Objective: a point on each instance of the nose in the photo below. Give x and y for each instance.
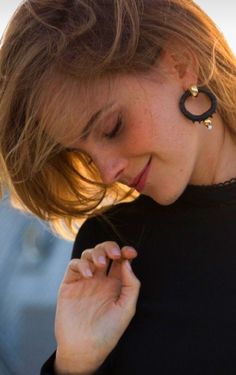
(111, 168)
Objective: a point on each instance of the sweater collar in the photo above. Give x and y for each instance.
(221, 193)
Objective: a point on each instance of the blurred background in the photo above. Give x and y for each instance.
(32, 264)
(33, 260)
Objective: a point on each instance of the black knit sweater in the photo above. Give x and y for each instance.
(185, 321)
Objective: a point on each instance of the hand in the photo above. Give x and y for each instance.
(94, 308)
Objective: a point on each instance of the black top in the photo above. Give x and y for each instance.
(185, 321)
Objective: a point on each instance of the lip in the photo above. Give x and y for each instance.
(139, 182)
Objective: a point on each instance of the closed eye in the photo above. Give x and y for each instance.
(115, 130)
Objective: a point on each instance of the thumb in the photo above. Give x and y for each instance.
(130, 286)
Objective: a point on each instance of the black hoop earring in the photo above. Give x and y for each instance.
(205, 117)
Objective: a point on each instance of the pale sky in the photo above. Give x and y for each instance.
(222, 12)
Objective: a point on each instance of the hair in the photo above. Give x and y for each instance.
(77, 42)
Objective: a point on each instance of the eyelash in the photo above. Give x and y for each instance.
(115, 130)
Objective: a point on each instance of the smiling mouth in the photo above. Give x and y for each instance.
(139, 181)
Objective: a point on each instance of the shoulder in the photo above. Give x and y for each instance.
(119, 223)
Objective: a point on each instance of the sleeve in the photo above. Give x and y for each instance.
(92, 232)
(104, 369)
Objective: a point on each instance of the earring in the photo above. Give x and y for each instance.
(205, 117)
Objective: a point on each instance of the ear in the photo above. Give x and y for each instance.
(180, 63)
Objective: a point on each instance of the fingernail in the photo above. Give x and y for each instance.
(115, 251)
(88, 273)
(102, 259)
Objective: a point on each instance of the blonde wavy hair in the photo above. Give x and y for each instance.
(78, 42)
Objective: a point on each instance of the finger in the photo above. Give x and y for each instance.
(127, 252)
(110, 249)
(98, 258)
(130, 288)
(76, 270)
(101, 255)
(100, 262)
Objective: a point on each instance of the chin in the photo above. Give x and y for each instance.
(167, 198)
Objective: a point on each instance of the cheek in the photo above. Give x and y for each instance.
(140, 138)
(140, 131)
(171, 133)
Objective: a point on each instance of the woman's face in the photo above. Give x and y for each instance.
(144, 132)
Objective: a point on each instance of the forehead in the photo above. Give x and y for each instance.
(66, 105)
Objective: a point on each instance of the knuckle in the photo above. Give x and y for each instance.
(76, 263)
(107, 245)
(108, 249)
(92, 254)
(73, 263)
(86, 253)
(112, 244)
(99, 245)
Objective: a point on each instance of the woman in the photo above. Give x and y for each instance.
(99, 95)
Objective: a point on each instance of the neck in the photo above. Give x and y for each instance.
(217, 155)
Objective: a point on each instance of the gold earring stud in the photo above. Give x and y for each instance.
(194, 90)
